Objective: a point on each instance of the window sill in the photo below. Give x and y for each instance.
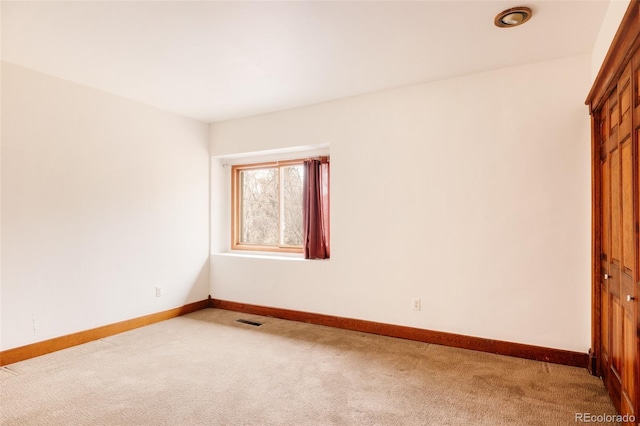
(263, 255)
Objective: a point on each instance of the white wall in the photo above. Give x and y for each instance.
(472, 194)
(608, 29)
(103, 199)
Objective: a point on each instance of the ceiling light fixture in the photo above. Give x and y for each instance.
(513, 17)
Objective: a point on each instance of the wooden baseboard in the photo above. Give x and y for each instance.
(538, 353)
(47, 346)
(557, 356)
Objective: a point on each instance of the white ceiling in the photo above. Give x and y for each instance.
(215, 60)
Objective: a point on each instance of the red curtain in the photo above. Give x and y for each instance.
(316, 209)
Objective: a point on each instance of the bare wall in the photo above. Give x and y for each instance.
(472, 194)
(103, 199)
(608, 29)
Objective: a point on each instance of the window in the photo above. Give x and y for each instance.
(267, 206)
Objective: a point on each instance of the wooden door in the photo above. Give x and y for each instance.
(618, 151)
(614, 102)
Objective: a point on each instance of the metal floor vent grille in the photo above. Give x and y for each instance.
(253, 323)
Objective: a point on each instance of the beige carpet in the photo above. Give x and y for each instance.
(206, 369)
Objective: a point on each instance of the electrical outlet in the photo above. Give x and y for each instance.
(416, 304)
(158, 291)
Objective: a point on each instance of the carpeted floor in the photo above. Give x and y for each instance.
(206, 369)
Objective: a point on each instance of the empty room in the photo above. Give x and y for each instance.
(319, 212)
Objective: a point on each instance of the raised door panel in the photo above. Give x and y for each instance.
(605, 254)
(625, 98)
(616, 208)
(628, 223)
(613, 119)
(614, 379)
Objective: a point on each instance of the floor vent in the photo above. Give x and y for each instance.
(253, 323)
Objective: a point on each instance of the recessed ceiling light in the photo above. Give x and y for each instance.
(513, 17)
